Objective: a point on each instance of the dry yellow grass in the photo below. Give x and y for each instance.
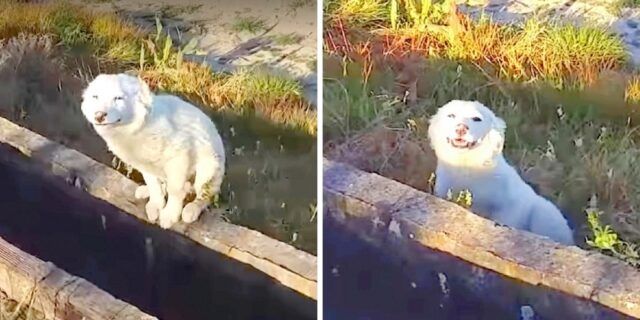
(563, 55)
(632, 91)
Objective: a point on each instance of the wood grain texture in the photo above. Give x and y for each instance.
(55, 293)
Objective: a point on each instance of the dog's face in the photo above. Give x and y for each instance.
(466, 132)
(115, 100)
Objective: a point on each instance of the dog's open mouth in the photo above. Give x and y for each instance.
(461, 143)
(107, 124)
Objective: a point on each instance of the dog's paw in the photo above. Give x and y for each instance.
(191, 212)
(153, 211)
(142, 192)
(168, 217)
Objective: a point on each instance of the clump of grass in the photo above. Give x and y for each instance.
(287, 39)
(632, 90)
(73, 26)
(418, 16)
(251, 25)
(462, 198)
(271, 97)
(606, 240)
(350, 108)
(176, 10)
(357, 12)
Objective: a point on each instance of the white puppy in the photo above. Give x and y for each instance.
(165, 138)
(468, 140)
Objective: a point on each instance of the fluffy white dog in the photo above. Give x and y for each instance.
(165, 138)
(468, 140)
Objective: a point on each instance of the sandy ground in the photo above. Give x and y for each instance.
(279, 36)
(622, 21)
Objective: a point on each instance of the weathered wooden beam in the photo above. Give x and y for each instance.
(384, 211)
(293, 268)
(55, 293)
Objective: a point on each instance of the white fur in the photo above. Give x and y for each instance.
(498, 192)
(165, 138)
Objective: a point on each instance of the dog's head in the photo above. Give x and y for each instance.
(466, 133)
(115, 101)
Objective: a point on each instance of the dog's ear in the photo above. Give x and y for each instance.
(496, 135)
(499, 124)
(144, 93)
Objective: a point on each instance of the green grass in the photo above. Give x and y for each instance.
(287, 39)
(251, 25)
(176, 10)
(608, 241)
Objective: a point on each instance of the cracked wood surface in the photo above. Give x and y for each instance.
(387, 211)
(55, 293)
(293, 268)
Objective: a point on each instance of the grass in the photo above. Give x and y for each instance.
(19, 310)
(356, 12)
(563, 55)
(616, 6)
(177, 10)
(122, 46)
(294, 5)
(608, 241)
(251, 25)
(287, 39)
(566, 94)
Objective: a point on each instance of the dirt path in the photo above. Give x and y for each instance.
(279, 36)
(621, 20)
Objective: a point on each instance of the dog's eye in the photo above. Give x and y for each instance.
(451, 115)
(95, 96)
(476, 119)
(118, 98)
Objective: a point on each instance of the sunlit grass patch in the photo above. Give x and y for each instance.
(357, 12)
(606, 240)
(563, 55)
(632, 91)
(276, 98)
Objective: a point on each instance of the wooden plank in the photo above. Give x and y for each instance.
(388, 210)
(55, 293)
(293, 268)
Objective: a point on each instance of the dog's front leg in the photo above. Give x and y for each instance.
(177, 174)
(156, 196)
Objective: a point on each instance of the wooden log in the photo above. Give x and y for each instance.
(55, 293)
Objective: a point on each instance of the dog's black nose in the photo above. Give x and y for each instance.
(100, 116)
